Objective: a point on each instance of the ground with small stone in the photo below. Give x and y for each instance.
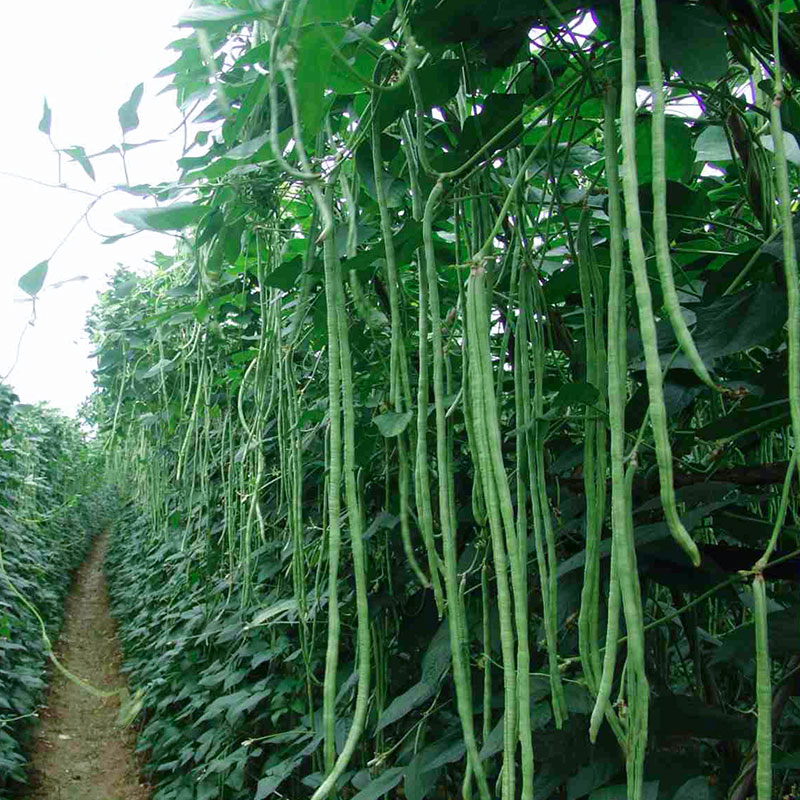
(80, 752)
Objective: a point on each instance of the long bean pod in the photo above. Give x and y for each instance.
(790, 268)
(647, 325)
(660, 228)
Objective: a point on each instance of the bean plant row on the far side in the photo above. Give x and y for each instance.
(49, 510)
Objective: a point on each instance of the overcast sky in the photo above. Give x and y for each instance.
(85, 56)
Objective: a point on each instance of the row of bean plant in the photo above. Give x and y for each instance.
(458, 429)
(48, 514)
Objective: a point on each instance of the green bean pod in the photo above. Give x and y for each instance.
(658, 414)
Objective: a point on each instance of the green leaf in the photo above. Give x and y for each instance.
(419, 693)
(739, 321)
(47, 117)
(394, 189)
(31, 282)
(738, 646)
(163, 365)
(77, 153)
(422, 773)
(126, 146)
(751, 415)
(327, 10)
(167, 218)
(343, 81)
(591, 777)
(275, 776)
(285, 275)
(279, 609)
(681, 716)
(575, 394)
(249, 148)
(127, 113)
(712, 145)
(438, 83)
(693, 40)
(393, 423)
(694, 789)
(314, 57)
(680, 155)
(789, 145)
(499, 110)
(786, 761)
(380, 786)
(650, 792)
(434, 665)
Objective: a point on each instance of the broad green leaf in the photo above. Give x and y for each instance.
(327, 11)
(47, 117)
(126, 146)
(275, 776)
(694, 789)
(166, 218)
(422, 773)
(393, 423)
(650, 792)
(412, 698)
(497, 114)
(380, 786)
(786, 761)
(739, 321)
(591, 777)
(248, 148)
(680, 155)
(738, 646)
(127, 113)
(343, 81)
(31, 282)
(285, 275)
(438, 83)
(156, 369)
(751, 415)
(574, 394)
(77, 153)
(789, 145)
(394, 189)
(435, 663)
(436, 660)
(681, 715)
(279, 609)
(712, 145)
(693, 40)
(314, 57)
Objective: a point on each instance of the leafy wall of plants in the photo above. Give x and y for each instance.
(47, 518)
(459, 431)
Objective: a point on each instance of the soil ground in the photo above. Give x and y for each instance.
(80, 752)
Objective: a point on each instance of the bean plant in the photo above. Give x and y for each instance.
(457, 433)
(50, 508)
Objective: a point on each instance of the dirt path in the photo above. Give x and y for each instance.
(79, 752)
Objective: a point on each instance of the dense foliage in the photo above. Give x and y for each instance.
(47, 517)
(477, 353)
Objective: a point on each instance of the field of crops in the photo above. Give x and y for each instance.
(451, 451)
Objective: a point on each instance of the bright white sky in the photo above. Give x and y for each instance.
(85, 56)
